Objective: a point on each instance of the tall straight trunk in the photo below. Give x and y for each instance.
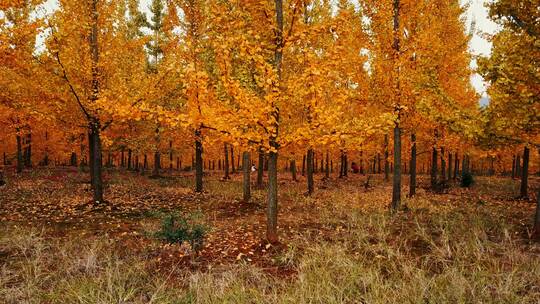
(226, 162)
(327, 168)
(536, 228)
(434, 168)
(361, 162)
(157, 162)
(450, 165)
(412, 182)
(379, 163)
(5, 159)
(198, 162)
(129, 160)
(310, 171)
(443, 165)
(525, 174)
(456, 166)
(396, 185)
(96, 163)
(491, 166)
(260, 169)
(19, 153)
(233, 169)
(345, 164)
(341, 164)
(272, 211)
(91, 157)
(122, 158)
(293, 170)
(246, 168)
(304, 165)
(145, 162)
(513, 166)
(386, 161)
(170, 156)
(518, 165)
(28, 156)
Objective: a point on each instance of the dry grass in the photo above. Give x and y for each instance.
(463, 247)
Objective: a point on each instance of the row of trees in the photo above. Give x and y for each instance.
(379, 79)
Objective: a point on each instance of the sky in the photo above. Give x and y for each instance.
(477, 13)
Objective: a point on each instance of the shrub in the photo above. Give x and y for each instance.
(179, 228)
(467, 179)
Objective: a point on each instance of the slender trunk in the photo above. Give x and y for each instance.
(272, 212)
(443, 165)
(260, 169)
(450, 159)
(91, 157)
(246, 168)
(345, 164)
(412, 182)
(396, 187)
(19, 153)
(513, 166)
(327, 169)
(233, 169)
(293, 170)
(434, 168)
(362, 162)
(456, 166)
(129, 160)
(525, 174)
(28, 156)
(386, 164)
(226, 162)
(310, 171)
(518, 165)
(96, 163)
(170, 156)
(198, 162)
(304, 165)
(145, 162)
(341, 164)
(536, 229)
(122, 158)
(157, 163)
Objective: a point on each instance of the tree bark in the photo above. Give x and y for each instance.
(96, 163)
(198, 162)
(226, 162)
(309, 161)
(246, 168)
(386, 163)
(443, 165)
(233, 169)
(19, 153)
(327, 168)
(130, 160)
(260, 169)
(450, 162)
(434, 168)
(513, 166)
(293, 170)
(412, 182)
(304, 165)
(518, 165)
(525, 174)
(536, 229)
(272, 212)
(396, 186)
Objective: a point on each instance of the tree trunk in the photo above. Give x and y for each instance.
(518, 165)
(96, 163)
(345, 164)
(525, 174)
(293, 170)
(456, 166)
(443, 165)
(412, 182)
(233, 169)
(157, 163)
(304, 165)
(19, 153)
(246, 168)
(327, 169)
(130, 160)
(91, 157)
(226, 162)
(198, 162)
(272, 212)
(513, 166)
(450, 159)
(28, 154)
(434, 168)
(386, 163)
(536, 229)
(396, 186)
(309, 161)
(260, 169)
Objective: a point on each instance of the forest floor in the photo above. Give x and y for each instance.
(340, 245)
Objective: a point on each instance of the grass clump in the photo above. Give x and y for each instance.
(177, 228)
